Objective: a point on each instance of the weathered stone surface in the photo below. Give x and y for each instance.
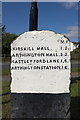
(40, 63)
(40, 105)
(38, 91)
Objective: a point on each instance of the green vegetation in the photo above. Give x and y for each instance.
(75, 69)
(6, 99)
(77, 50)
(6, 106)
(75, 54)
(4, 72)
(6, 86)
(7, 38)
(75, 89)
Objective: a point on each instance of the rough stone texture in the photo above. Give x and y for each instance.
(40, 105)
(41, 93)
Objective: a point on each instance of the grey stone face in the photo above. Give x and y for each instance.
(40, 105)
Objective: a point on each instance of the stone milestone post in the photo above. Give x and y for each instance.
(40, 72)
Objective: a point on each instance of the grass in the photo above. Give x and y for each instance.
(6, 99)
(6, 87)
(5, 84)
(6, 110)
(75, 89)
(75, 56)
(75, 69)
(4, 72)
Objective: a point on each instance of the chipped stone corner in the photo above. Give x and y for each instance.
(73, 47)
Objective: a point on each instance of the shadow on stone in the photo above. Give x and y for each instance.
(75, 107)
